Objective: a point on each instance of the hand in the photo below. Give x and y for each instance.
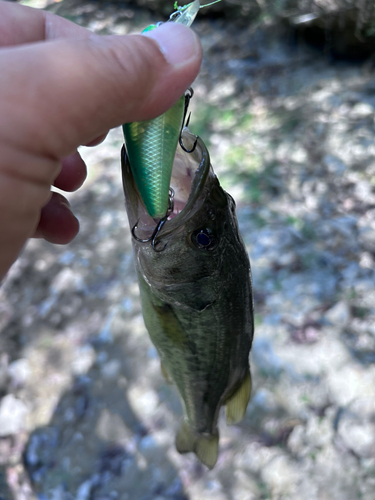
(60, 87)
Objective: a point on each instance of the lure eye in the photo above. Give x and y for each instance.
(204, 239)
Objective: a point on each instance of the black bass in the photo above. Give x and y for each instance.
(196, 292)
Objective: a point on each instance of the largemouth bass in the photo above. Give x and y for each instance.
(196, 293)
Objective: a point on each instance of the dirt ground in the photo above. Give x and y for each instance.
(85, 413)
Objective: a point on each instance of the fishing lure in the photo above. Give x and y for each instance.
(151, 144)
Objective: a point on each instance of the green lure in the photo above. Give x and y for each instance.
(151, 145)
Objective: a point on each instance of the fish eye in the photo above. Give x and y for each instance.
(204, 239)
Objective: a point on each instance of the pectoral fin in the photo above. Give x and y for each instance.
(165, 373)
(171, 326)
(206, 447)
(185, 438)
(236, 405)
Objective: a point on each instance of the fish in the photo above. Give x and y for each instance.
(196, 293)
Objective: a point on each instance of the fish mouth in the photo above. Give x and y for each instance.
(189, 176)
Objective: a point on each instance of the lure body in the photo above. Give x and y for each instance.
(151, 145)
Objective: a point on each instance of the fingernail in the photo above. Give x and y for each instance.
(178, 43)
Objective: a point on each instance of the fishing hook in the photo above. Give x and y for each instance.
(160, 224)
(188, 95)
(174, 15)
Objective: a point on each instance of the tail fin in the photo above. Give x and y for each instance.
(206, 447)
(235, 406)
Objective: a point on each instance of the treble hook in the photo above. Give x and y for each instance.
(188, 95)
(160, 224)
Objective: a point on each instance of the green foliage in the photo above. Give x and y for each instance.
(305, 398)
(360, 312)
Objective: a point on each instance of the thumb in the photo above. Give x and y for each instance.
(59, 94)
(56, 95)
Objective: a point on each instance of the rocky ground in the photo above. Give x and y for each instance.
(84, 411)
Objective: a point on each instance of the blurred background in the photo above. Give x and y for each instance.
(285, 103)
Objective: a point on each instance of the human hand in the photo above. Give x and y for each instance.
(61, 87)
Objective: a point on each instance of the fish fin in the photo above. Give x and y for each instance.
(165, 373)
(185, 438)
(207, 450)
(171, 325)
(206, 447)
(235, 406)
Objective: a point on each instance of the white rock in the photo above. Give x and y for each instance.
(84, 491)
(143, 402)
(334, 164)
(280, 475)
(367, 237)
(296, 440)
(319, 432)
(350, 383)
(13, 413)
(83, 359)
(110, 427)
(357, 432)
(361, 110)
(57, 493)
(66, 280)
(326, 356)
(19, 371)
(111, 369)
(360, 438)
(339, 314)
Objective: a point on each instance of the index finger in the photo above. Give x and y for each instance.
(20, 24)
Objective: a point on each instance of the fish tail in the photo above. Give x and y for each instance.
(235, 405)
(206, 447)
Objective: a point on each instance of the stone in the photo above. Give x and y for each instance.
(84, 490)
(357, 433)
(339, 314)
(143, 402)
(19, 372)
(111, 369)
(83, 359)
(319, 432)
(351, 382)
(334, 164)
(280, 475)
(367, 237)
(13, 413)
(361, 110)
(66, 280)
(297, 440)
(111, 427)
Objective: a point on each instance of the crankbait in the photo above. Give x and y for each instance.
(151, 144)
